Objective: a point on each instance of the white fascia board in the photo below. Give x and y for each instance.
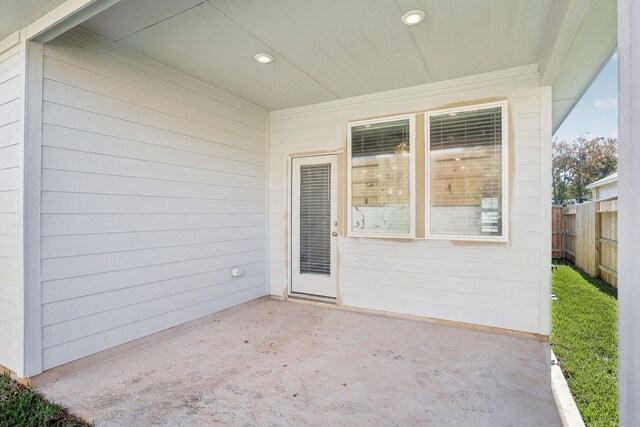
(64, 17)
(604, 181)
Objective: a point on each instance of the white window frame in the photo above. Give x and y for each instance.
(412, 177)
(505, 173)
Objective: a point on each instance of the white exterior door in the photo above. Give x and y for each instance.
(314, 226)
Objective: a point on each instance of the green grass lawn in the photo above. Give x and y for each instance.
(22, 406)
(584, 339)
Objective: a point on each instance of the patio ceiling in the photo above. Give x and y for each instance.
(326, 50)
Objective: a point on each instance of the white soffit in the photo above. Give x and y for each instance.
(326, 50)
(207, 45)
(335, 49)
(352, 47)
(462, 37)
(133, 16)
(593, 40)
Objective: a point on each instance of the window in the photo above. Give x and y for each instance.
(381, 177)
(467, 173)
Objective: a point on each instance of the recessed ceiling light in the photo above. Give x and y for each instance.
(264, 58)
(413, 17)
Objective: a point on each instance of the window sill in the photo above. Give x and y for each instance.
(382, 236)
(480, 239)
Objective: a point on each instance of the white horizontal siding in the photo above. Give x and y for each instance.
(99, 183)
(87, 244)
(489, 284)
(74, 287)
(151, 192)
(11, 211)
(69, 224)
(218, 299)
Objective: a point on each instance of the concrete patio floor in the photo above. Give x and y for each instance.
(281, 363)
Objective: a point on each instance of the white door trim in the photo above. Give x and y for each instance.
(333, 158)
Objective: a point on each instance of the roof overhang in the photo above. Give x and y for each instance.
(611, 179)
(580, 39)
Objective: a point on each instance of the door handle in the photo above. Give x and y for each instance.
(334, 234)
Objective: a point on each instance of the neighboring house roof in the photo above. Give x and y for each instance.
(613, 178)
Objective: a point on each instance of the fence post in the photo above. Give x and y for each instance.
(597, 234)
(564, 234)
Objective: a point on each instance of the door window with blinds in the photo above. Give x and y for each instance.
(315, 219)
(467, 173)
(381, 177)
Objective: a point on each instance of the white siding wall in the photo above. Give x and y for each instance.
(489, 284)
(11, 184)
(152, 190)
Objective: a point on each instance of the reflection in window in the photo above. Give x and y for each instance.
(381, 170)
(466, 150)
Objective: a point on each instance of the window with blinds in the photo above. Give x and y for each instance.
(380, 178)
(467, 152)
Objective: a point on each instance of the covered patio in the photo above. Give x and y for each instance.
(157, 159)
(270, 362)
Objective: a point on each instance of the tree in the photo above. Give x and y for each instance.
(580, 162)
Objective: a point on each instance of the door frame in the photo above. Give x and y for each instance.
(340, 203)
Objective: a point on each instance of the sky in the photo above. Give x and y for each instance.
(597, 111)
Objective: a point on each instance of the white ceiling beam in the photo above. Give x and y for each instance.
(64, 17)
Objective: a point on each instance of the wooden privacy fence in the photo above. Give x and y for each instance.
(557, 238)
(587, 235)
